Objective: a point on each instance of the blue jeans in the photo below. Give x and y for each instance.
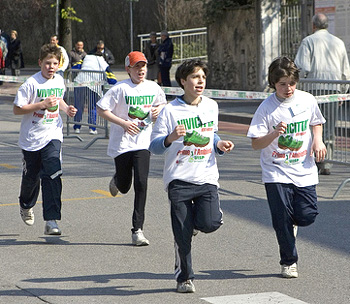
(290, 205)
(44, 164)
(126, 164)
(82, 95)
(192, 207)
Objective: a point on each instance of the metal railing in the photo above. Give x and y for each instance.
(188, 44)
(334, 103)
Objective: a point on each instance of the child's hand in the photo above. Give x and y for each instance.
(179, 131)
(281, 128)
(130, 127)
(225, 145)
(71, 111)
(319, 149)
(50, 101)
(155, 111)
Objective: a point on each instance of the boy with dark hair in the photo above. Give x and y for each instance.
(39, 100)
(131, 105)
(186, 132)
(281, 129)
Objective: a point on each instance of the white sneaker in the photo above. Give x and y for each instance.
(113, 187)
(27, 216)
(93, 132)
(51, 228)
(295, 230)
(290, 271)
(185, 287)
(77, 131)
(138, 239)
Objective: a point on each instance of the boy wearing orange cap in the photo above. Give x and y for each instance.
(131, 106)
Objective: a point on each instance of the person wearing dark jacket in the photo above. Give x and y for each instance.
(15, 56)
(165, 50)
(106, 53)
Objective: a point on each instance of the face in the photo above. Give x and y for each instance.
(285, 87)
(194, 84)
(100, 47)
(54, 40)
(137, 72)
(79, 46)
(163, 37)
(153, 39)
(13, 35)
(49, 66)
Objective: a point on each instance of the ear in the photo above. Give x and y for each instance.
(39, 62)
(182, 81)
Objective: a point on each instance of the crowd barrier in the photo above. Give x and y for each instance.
(84, 88)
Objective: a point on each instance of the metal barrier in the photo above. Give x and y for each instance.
(84, 89)
(188, 44)
(335, 107)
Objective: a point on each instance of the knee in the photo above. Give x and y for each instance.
(209, 227)
(306, 219)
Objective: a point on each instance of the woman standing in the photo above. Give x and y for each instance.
(15, 56)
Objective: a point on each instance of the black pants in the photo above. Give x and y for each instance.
(165, 75)
(290, 205)
(125, 164)
(44, 164)
(192, 207)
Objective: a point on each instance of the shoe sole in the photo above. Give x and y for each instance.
(141, 244)
(53, 233)
(111, 190)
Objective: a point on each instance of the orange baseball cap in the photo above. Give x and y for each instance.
(133, 58)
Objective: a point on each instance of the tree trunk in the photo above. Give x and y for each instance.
(65, 27)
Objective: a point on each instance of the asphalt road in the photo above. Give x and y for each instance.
(93, 261)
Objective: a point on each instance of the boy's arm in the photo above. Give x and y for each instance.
(264, 141)
(69, 110)
(318, 147)
(48, 102)
(129, 126)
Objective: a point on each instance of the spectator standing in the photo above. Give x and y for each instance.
(131, 106)
(64, 61)
(15, 55)
(3, 54)
(151, 53)
(91, 93)
(77, 53)
(106, 53)
(165, 50)
(287, 128)
(39, 100)
(186, 131)
(323, 56)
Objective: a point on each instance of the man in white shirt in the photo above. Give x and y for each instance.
(323, 56)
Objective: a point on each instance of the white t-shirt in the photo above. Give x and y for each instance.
(40, 127)
(287, 159)
(191, 158)
(133, 102)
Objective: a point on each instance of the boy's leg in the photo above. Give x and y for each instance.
(207, 211)
(280, 198)
(180, 195)
(123, 171)
(51, 180)
(305, 205)
(30, 185)
(141, 161)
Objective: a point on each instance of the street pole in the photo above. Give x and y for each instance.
(57, 15)
(131, 26)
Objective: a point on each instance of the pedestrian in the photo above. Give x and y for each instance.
(323, 56)
(131, 106)
(64, 61)
(151, 53)
(39, 100)
(165, 50)
(281, 129)
(77, 53)
(106, 53)
(186, 131)
(3, 55)
(15, 55)
(90, 92)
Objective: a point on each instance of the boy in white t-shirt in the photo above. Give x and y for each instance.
(186, 132)
(39, 100)
(131, 106)
(281, 128)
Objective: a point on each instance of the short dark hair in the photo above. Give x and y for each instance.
(188, 67)
(282, 67)
(50, 49)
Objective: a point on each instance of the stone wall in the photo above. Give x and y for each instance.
(232, 50)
